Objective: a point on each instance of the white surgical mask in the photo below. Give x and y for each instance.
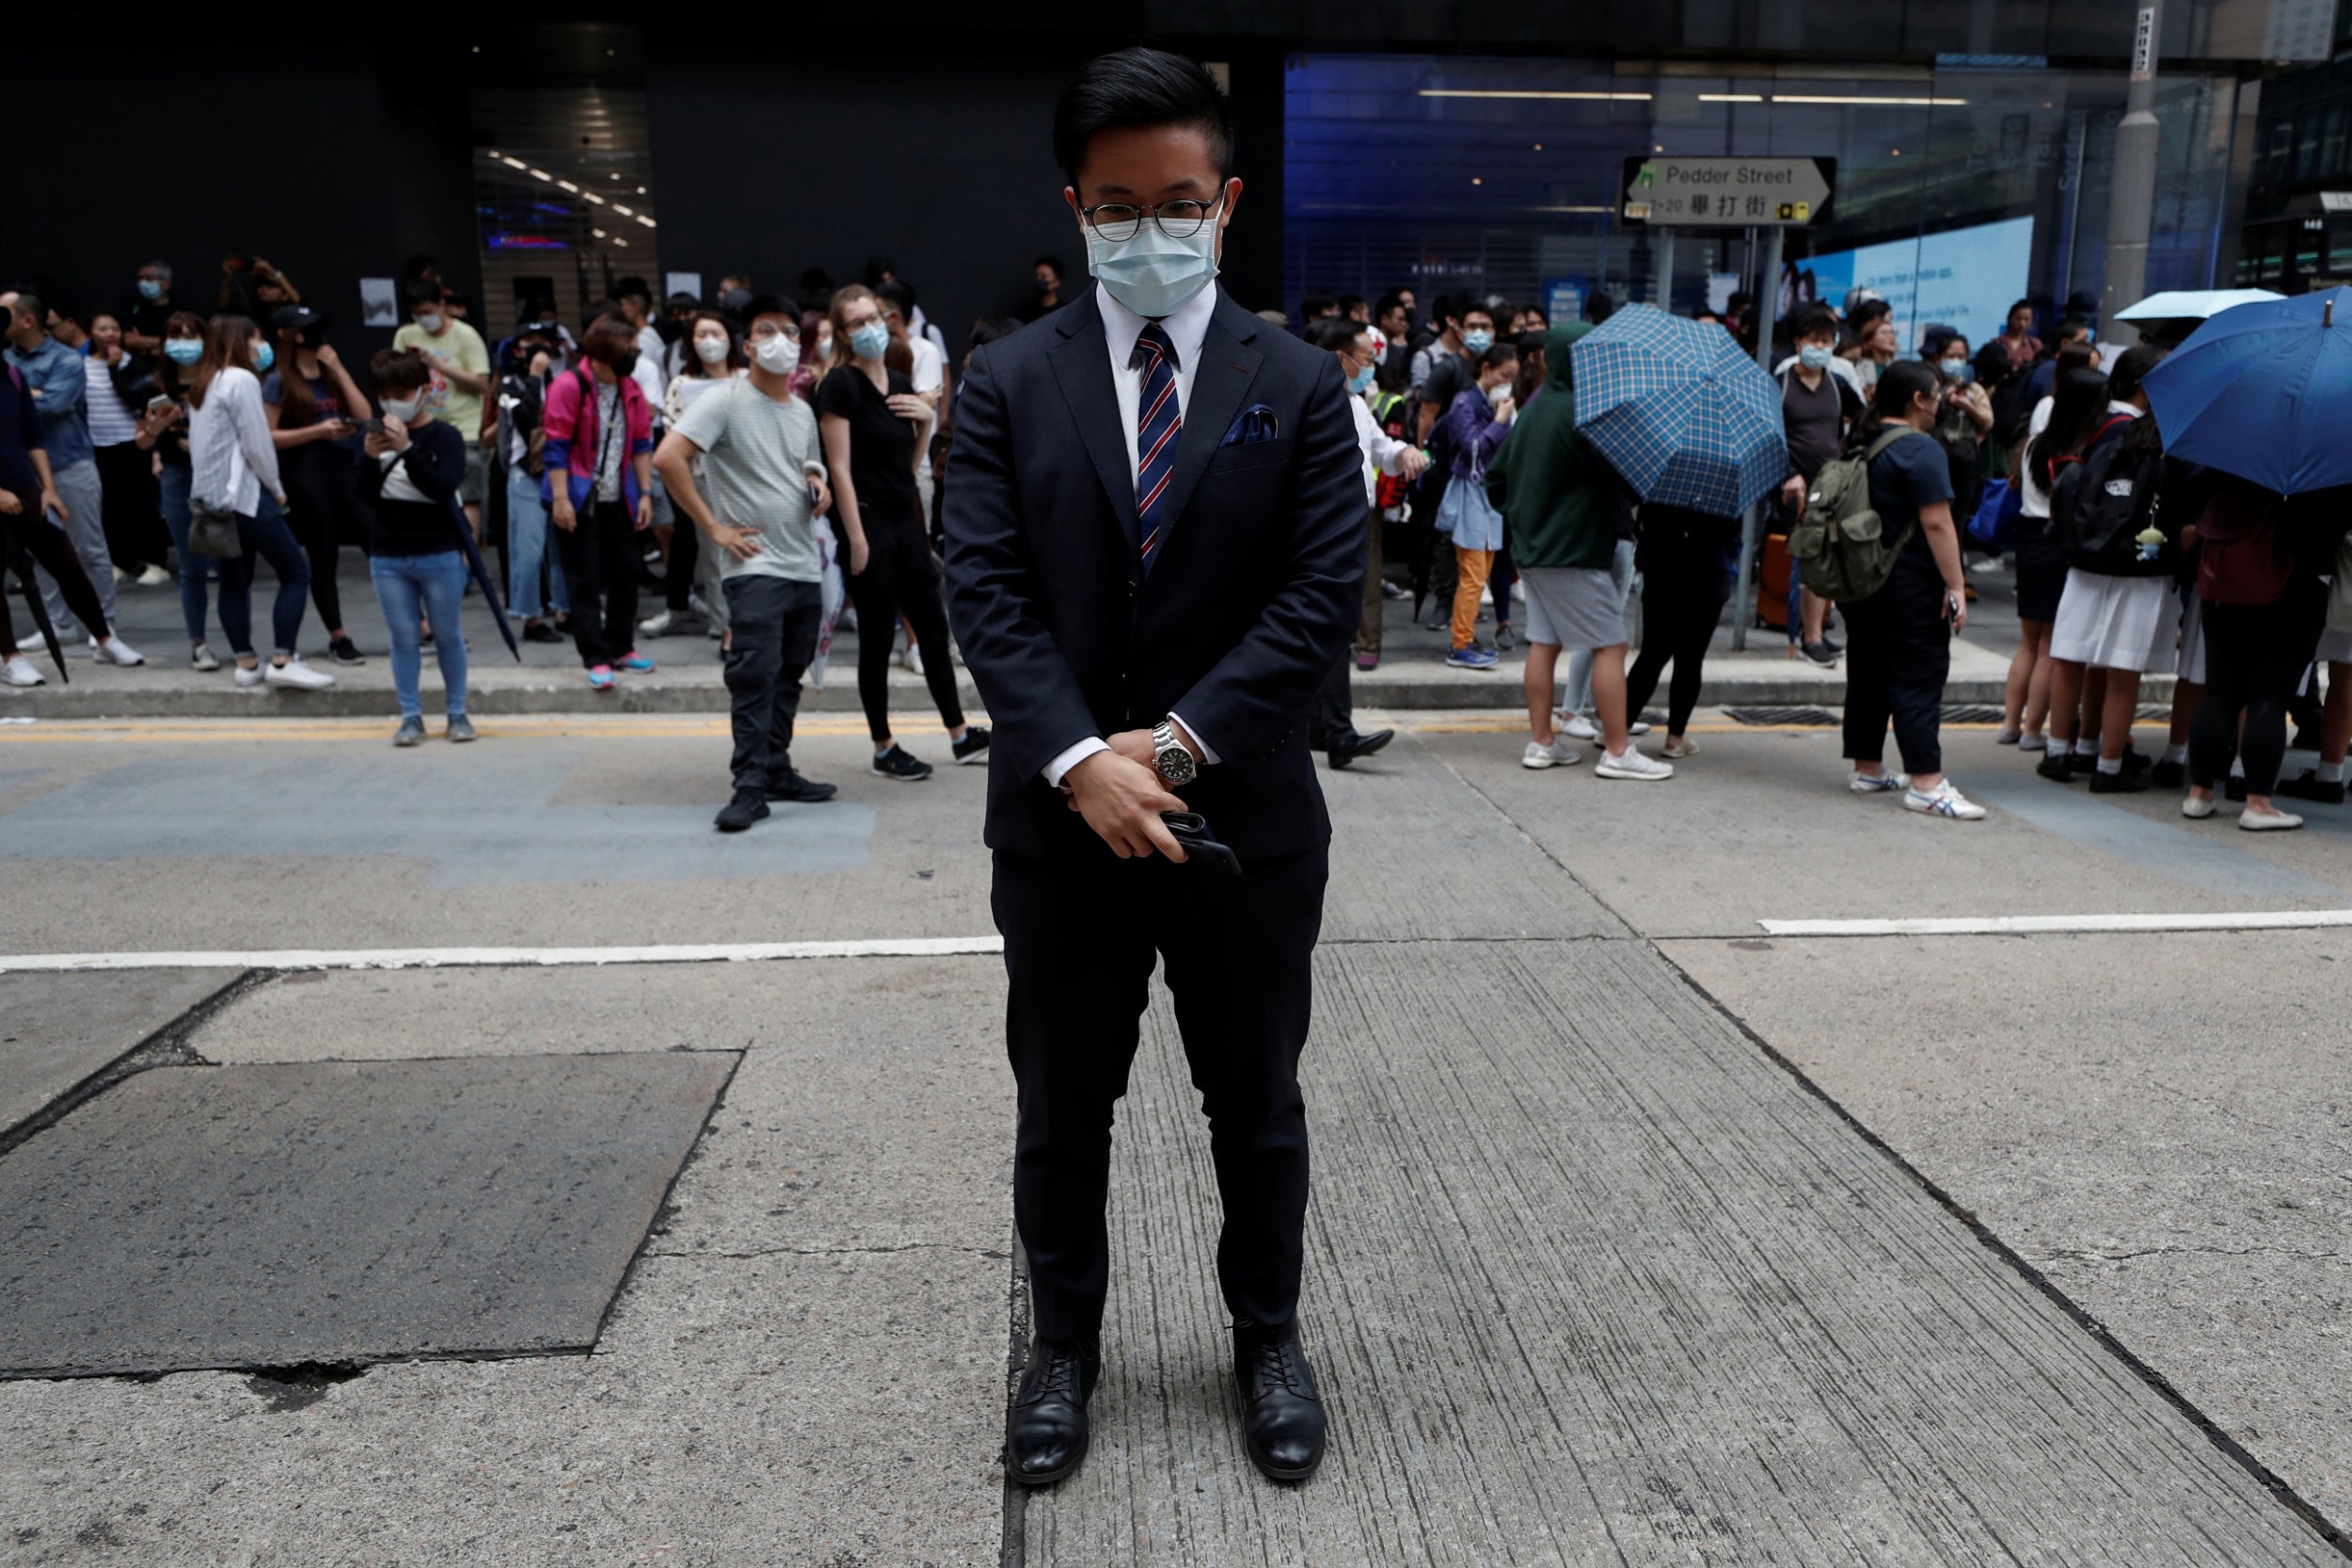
(778, 355)
(1814, 357)
(713, 350)
(1150, 274)
(430, 320)
(403, 409)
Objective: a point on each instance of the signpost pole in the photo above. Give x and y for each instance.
(1662, 247)
(2131, 204)
(1751, 521)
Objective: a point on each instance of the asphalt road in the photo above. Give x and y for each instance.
(805, 1360)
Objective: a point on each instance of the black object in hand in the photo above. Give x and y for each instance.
(1191, 829)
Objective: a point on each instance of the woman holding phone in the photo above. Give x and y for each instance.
(411, 467)
(161, 395)
(314, 408)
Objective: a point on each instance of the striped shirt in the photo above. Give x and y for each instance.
(111, 421)
(228, 445)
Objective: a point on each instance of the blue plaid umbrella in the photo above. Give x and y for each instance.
(1677, 409)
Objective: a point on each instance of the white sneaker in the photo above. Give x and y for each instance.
(656, 626)
(1633, 762)
(18, 671)
(2269, 821)
(201, 660)
(911, 659)
(250, 678)
(116, 651)
(1558, 754)
(297, 674)
(121, 575)
(1576, 726)
(1944, 800)
(155, 576)
(1876, 784)
(1637, 728)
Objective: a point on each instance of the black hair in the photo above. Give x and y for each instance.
(875, 267)
(1449, 306)
(415, 268)
(1480, 305)
(2136, 361)
(985, 332)
(1859, 318)
(1901, 385)
(1392, 300)
(2020, 304)
(635, 285)
(1053, 261)
(1140, 86)
(2077, 398)
(1532, 342)
(1598, 308)
(1498, 357)
(1317, 305)
(1335, 332)
(2073, 326)
(532, 312)
(1350, 304)
(397, 370)
(901, 295)
(1814, 319)
(421, 290)
(766, 305)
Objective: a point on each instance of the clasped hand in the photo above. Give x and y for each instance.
(1121, 796)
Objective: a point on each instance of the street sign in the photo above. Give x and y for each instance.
(1728, 193)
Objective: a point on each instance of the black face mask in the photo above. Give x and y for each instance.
(1046, 285)
(625, 362)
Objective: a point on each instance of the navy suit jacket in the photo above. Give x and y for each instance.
(1254, 595)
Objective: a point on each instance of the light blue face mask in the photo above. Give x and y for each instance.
(183, 351)
(1150, 274)
(1959, 369)
(870, 341)
(150, 290)
(264, 356)
(1360, 383)
(1814, 357)
(1478, 341)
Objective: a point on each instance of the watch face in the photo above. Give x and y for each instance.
(1175, 765)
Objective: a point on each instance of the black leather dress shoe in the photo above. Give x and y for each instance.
(1046, 1431)
(1348, 748)
(1281, 1414)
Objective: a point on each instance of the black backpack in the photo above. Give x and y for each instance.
(2012, 406)
(2103, 508)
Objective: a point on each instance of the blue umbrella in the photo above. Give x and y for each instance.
(1678, 409)
(2260, 391)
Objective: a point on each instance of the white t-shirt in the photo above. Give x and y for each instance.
(929, 369)
(2033, 500)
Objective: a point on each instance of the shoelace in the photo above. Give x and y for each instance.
(1274, 1362)
(1059, 1375)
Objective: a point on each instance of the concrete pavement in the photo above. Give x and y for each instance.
(1594, 1277)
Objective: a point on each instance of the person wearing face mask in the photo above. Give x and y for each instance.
(531, 358)
(1962, 422)
(745, 464)
(409, 473)
(234, 469)
(1156, 540)
(126, 470)
(596, 479)
(1046, 279)
(150, 310)
(158, 389)
(456, 352)
(314, 408)
(691, 586)
(1820, 398)
(1475, 425)
(873, 425)
(1901, 651)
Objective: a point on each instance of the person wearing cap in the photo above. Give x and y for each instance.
(314, 407)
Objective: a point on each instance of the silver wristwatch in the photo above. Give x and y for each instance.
(1172, 756)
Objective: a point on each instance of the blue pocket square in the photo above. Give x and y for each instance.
(1257, 424)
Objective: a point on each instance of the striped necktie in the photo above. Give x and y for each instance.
(1157, 419)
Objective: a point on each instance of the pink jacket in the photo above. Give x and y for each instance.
(574, 439)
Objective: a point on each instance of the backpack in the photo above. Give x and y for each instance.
(2103, 508)
(1838, 543)
(2012, 406)
(2238, 558)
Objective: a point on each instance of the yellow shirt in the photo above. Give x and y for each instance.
(459, 346)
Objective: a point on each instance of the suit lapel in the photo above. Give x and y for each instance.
(1220, 391)
(1082, 365)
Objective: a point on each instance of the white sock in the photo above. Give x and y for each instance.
(2112, 766)
(2176, 753)
(2086, 748)
(2330, 772)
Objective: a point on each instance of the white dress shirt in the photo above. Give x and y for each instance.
(1383, 452)
(1121, 326)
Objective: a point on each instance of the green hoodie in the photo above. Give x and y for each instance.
(1559, 496)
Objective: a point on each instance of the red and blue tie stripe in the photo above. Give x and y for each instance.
(1158, 419)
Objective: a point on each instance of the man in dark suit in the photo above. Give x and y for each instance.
(1155, 553)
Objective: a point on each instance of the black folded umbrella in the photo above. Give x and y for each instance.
(21, 560)
(482, 580)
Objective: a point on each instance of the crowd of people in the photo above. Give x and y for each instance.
(772, 468)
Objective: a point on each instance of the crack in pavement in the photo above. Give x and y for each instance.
(2076, 1254)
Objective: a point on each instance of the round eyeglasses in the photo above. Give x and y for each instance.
(1179, 220)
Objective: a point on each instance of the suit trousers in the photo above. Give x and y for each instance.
(1080, 937)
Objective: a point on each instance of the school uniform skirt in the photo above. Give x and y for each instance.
(2114, 623)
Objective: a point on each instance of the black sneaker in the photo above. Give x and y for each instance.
(539, 631)
(896, 763)
(2056, 766)
(741, 811)
(1819, 653)
(789, 786)
(2128, 782)
(2169, 775)
(973, 746)
(2309, 786)
(343, 650)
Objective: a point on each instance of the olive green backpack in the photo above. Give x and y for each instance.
(1838, 543)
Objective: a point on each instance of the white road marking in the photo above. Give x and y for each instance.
(2037, 924)
(454, 958)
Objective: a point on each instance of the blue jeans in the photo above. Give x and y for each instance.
(526, 546)
(1580, 659)
(424, 587)
(195, 570)
(265, 533)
